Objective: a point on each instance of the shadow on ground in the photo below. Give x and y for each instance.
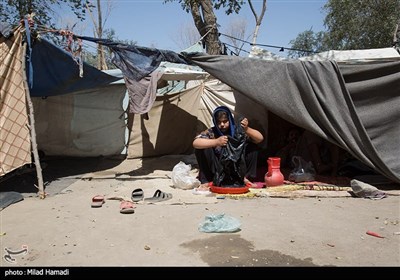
(58, 173)
(232, 250)
(166, 163)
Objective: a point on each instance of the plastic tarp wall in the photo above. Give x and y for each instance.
(84, 124)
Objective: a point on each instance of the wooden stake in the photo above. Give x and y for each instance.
(40, 186)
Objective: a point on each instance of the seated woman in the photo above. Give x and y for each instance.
(210, 144)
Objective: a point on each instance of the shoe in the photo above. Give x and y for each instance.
(137, 195)
(127, 207)
(159, 196)
(98, 201)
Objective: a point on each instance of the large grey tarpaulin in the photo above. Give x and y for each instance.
(353, 106)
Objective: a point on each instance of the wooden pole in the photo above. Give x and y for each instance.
(40, 185)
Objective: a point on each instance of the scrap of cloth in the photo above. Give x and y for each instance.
(137, 65)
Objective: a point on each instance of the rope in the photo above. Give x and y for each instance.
(201, 39)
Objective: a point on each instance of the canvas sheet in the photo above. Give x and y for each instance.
(15, 142)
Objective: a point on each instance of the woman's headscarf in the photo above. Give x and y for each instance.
(215, 128)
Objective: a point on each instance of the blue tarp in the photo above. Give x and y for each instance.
(55, 72)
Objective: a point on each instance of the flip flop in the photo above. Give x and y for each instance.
(137, 195)
(127, 207)
(98, 201)
(159, 196)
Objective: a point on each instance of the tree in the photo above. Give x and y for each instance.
(306, 43)
(361, 24)
(237, 29)
(205, 20)
(98, 30)
(258, 18)
(43, 11)
(354, 24)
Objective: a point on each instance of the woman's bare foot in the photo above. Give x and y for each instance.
(247, 182)
(204, 187)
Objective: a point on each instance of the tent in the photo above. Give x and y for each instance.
(153, 134)
(32, 69)
(355, 106)
(351, 105)
(89, 116)
(76, 109)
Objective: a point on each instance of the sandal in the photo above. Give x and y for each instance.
(159, 196)
(137, 195)
(98, 201)
(127, 207)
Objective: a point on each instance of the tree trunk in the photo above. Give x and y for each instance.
(258, 18)
(206, 23)
(101, 63)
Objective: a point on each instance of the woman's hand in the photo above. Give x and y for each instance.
(245, 124)
(222, 141)
(255, 135)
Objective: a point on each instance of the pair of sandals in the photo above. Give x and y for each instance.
(126, 207)
(138, 195)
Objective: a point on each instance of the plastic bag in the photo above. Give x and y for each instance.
(219, 223)
(303, 171)
(231, 165)
(181, 177)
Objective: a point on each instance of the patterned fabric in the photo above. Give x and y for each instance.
(208, 134)
(15, 143)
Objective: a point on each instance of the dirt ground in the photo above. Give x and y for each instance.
(63, 230)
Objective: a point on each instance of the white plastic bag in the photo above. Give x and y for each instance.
(181, 178)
